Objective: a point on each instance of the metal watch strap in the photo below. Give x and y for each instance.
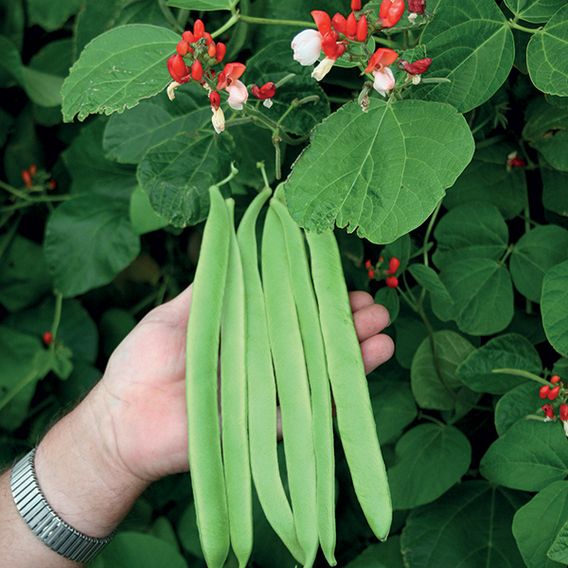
(44, 521)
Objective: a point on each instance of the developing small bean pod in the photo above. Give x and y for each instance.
(307, 310)
(234, 405)
(292, 383)
(202, 355)
(262, 418)
(355, 420)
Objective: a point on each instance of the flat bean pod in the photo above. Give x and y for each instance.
(262, 415)
(355, 419)
(234, 405)
(204, 325)
(292, 383)
(314, 351)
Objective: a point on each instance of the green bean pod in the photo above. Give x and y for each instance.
(292, 384)
(355, 420)
(202, 355)
(234, 431)
(307, 310)
(262, 417)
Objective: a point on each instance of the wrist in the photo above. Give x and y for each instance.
(80, 473)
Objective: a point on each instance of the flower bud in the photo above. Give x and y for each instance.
(198, 29)
(351, 26)
(182, 47)
(564, 412)
(555, 379)
(47, 337)
(417, 6)
(220, 52)
(394, 265)
(338, 22)
(362, 29)
(188, 36)
(392, 282)
(553, 393)
(197, 70)
(548, 411)
(307, 47)
(543, 391)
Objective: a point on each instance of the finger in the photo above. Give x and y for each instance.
(376, 350)
(176, 311)
(370, 320)
(359, 300)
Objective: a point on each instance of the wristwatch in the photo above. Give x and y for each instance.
(51, 529)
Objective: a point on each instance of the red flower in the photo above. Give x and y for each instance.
(215, 100)
(182, 47)
(417, 6)
(548, 411)
(197, 70)
(339, 23)
(371, 274)
(394, 265)
(392, 282)
(513, 161)
(564, 412)
(230, 73)
(417, 67)
(390, 12)
(198, 29)
(322, 20)
(267, 91)
(177, 68)
(543, 391)
(555, 379)
(355, 5)
(220, 52)
(362, 29)
(553, 394)
(383, 57)
(368, 264)
(351, 26)
(47, 337)
(27, 178)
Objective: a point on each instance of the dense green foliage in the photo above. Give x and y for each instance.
(464, 180)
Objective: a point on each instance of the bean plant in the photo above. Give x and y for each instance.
(430, 135)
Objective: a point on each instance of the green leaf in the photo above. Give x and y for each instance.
(558, 550)
(472, 45)
(76, 329)
(129, 549)
(430, 281)
(388, 298)
(393, 406)
(23, 273)
(555, 191)
(482, 292)
(468, 527)
(472, 230)
(410, 333)
(23, 364)
(52, 15)
(535, 11)
(554, 307)
(429, 460)
(536, 525)
(530, 455)
(177, 174)
(487, 179)
(380, 555)
(118, 69)
(205, 5)
(511, 351)
(128, 136)
(88, 241)
(143, 218)
(388, 182)
(433, 378)
(537, 252)
(515, 405)
(547, 131)
(91, 172)
(547, 55)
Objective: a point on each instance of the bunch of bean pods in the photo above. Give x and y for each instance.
(284, 333)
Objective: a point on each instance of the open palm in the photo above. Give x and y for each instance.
(144, 384)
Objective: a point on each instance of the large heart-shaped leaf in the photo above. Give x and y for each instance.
(530, 455)
(554, 306)
(535, 11)
(555, 190)
(472, 45)
(536, 252)
(536, 525)
(94, 236)
(380, 172)
(118, 69)
(433, 373)
(429, 459)
(468, 527)
(547, 55)
(177, 174)
(510, 351)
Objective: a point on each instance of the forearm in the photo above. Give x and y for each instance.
(80, 478)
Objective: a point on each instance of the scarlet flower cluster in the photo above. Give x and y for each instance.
(514, 161)
(391, 279)
(195, 59)
(30, 173)
(555, 392)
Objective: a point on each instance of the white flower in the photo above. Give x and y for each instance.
(171, 90)
(218, 119)
(307, 47)
(267, 103)
(238, 94)
(384, 81)
(323, 68)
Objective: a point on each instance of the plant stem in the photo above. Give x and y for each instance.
(226, 26)
(522, 373)
(275, 22)
(56, 318)
(508, 252)
(429, 229)
(15, 192)
(46, 199)
(431, 419)
(516, 26)
(260, 166)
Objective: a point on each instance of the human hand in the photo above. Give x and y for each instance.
(142, 394)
